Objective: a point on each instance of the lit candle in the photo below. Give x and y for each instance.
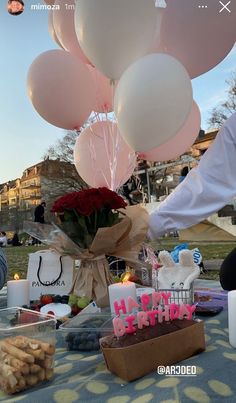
(17, 292)
(120, 291)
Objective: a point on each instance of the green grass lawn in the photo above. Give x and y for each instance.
(216, 250)
(17, 257)
(210, 275)
(213, 250)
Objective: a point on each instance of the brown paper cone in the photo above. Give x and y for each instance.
(92, 281)
(122, 240)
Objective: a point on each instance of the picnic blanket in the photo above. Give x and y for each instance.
(83, 377)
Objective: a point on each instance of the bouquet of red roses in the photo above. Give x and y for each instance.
(90, 224)
(82, 213)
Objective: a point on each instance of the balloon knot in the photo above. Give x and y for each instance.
(160, 4)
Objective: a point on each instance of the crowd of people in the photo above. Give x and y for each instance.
(14, 240)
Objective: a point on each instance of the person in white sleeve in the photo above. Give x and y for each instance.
(206, 189)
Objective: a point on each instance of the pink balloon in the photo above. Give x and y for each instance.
(104, 90)
(63, 21)
(199, 38)
(180, 143)
(52, 30)
(61, 89)
(102, 157)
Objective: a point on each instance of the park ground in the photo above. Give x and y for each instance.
(212, 254)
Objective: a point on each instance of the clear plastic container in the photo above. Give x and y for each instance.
(82, 333)
(27, 347)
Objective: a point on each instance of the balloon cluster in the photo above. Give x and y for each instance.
(135, 58)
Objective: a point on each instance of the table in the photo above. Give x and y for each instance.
(84, 377)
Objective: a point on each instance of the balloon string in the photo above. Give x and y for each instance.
(107, 139)
(109, 150)
(117, 144)
(116, 151)
(96, 88)
(112, 145)
(111, 139)
(132, 159)
(160, 5)
(107, 135)
(97, 116)
(112, 83)
(93, 158)
(132, 163)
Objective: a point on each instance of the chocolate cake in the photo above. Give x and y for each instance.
(146, 333)
(132, 356)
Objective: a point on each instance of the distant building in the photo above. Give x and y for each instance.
(202, 143)
(44, 181)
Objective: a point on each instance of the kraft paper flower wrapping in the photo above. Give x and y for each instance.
(122, 240)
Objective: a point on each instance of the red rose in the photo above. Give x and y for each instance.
(76, 205)
(66, 202)
(84, 207)
(89, 200)
(111, 199)
(118, 202)
(93, 197)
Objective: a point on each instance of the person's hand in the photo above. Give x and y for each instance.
(177, 275)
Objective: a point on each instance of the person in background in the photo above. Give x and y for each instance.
(39, 213)
(30, 241)
(39, 217)
(128, 188)
(143, 165)
(15, 240)
(184, 172)
(3, 239)
(3, 269)
(206, 189)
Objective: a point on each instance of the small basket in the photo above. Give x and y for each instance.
(180, 296)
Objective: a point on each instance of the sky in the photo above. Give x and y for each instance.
(24, 135)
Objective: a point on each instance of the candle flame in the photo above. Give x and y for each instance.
(126, 277)
(16, 277)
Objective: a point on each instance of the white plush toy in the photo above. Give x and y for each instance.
(177, 275)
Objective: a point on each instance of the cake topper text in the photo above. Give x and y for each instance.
(148, 317)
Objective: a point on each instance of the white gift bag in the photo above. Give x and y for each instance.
(49, 273)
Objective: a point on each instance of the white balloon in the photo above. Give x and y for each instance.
(115, 33)
(152, 101)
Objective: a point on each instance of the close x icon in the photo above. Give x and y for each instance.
(225, 6)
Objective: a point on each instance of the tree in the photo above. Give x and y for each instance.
(223, 111)
(63, 149)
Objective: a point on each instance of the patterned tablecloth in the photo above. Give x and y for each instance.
(84, 377)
